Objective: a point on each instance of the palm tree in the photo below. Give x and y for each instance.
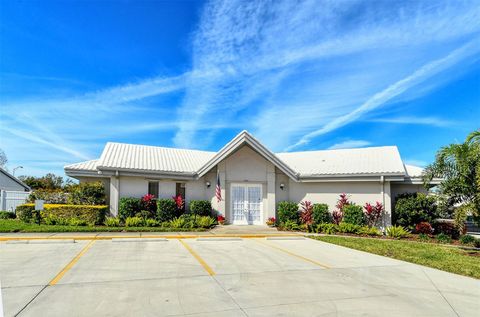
(459, 167)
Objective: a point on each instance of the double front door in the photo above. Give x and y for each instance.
(246, 206)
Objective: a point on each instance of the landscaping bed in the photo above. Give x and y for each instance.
(14, 225)
(454, 260)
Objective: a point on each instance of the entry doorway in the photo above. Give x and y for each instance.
(246, 204)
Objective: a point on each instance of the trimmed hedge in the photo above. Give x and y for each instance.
(321, 214)
(411, 209)
(288, 211)
(128, 207)
(90, 214)
(7, 215)
(353, 214)
(166, 209)
(201, 207)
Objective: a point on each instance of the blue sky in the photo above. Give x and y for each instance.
(302, 75)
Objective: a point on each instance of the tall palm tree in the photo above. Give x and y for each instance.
(459, 167)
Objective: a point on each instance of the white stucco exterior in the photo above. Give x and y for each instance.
(365, 175)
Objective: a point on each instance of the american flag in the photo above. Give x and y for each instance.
(218, 189)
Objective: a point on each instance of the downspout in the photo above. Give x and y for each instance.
(382, 183)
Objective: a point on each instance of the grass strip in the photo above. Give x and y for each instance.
(454, 260)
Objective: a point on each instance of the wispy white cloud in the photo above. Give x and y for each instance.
(350, 144)
(397, 88)
(432, 121)
(288, 71)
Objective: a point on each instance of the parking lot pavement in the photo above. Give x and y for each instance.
(222, 277)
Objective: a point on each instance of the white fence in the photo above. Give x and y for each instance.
(10, 199)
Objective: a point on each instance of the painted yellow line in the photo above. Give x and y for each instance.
(191, 236)
(293, 254)
(71, 264)
(197, 256)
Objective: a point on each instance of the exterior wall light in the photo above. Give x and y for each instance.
(282, 186)
(207, 183)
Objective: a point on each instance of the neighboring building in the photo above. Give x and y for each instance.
(253, 179)
(13, 192)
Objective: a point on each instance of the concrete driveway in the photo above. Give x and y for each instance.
(279, 276)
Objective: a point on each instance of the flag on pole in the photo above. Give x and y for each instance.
(218, 189)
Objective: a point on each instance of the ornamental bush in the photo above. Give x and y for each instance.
(166, 209)
(327, 228)
(413, 208)
(424, 227)
(467, 239)
(397, 232)
(134, 222)
(353, 214)
(201, 207)
(288, 211)
(446, 227)
(49, 196)
(321, 214)
(7, 215)
(90, 193)
(345, 227)
(112, 222)
(92, 215)
(128, 207)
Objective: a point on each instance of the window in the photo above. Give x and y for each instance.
(153, 189)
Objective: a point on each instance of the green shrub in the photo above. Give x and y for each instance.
(287, 211)
(369, 231)
(327, 228)
(90, 193)
(177, 223)
(50, 220)
(423, 237)
(447, 227)
(321, 214)
(151, 223)
(134, 222)
(443, 238)
(128, 207)
(205, 222)
(467, 239)
(201, 207)
(290, 225)
(476, 243)
(7, 215)
(28, 214)
(92, 215)
(411, 209)
(397, 232)
(166, 210)
(49, 196)
(345, 227)
(77, 222)
(112, 222)
(353, 214)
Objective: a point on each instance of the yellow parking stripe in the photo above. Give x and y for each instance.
(199, 259)
(71, 264)
(293, 254)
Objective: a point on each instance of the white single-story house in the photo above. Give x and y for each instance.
(13, 192)
(253, 179)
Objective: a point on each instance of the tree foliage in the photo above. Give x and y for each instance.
(459, 167)
(49, 182)
(3, 159)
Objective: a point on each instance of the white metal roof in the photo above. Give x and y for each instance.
(83, 166)
(413, 171)
(371, 160)
(152, 158)
(383, 160)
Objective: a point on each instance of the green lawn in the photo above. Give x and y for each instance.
(13, 225)
(450, 259)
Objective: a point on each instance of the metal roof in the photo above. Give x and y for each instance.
(151, 158)
(83, 166)
(413, 171)
(370, 161)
